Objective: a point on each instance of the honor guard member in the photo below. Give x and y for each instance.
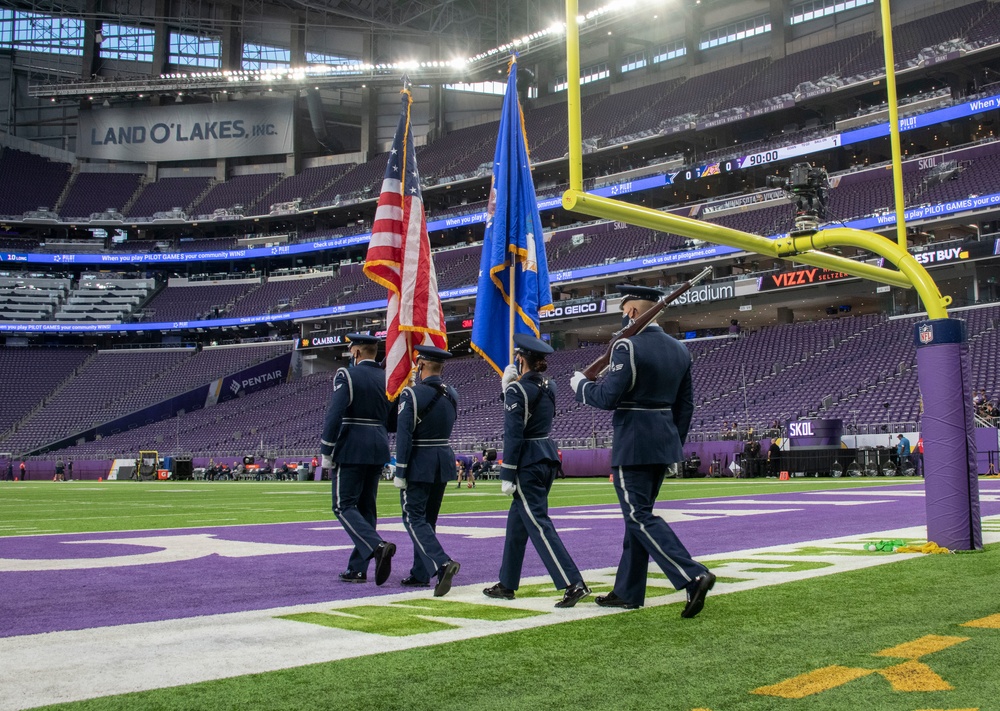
(648, 385)
(425, 465)
(355, 447)
(530, 463)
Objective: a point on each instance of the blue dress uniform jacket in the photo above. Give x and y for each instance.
(530, 459)
(355, 427)
(424, 457)
(355, 436)
(529, 406)
(648, 385)
(423, 450)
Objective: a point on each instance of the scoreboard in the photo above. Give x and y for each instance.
(760, 158)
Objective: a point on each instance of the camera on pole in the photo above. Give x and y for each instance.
(810, 187)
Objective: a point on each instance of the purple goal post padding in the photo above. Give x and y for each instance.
(948, 429)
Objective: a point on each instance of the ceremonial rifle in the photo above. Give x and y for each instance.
(597, 367)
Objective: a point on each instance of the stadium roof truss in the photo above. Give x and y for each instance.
(452, 25)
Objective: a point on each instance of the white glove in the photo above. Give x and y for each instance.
(327, 462)
(576, 380)
(399, 482)
(510, 374)
(508, 487)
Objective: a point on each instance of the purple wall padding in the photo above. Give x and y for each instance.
(987, 450)
(586, 462)
(725, 451)
(951, 483)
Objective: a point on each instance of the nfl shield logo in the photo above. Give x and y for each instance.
(926, 333)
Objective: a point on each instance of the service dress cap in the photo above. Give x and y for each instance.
(432, 353)
(530, 344)
(645, 293)
(362, 339)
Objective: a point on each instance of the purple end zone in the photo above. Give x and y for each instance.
(45, 601)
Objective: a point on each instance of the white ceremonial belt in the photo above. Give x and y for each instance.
(431, 443)
(362, 421)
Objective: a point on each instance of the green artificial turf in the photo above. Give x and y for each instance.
(28, 508)
(652, 659)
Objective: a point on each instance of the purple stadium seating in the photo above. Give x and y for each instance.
(845, 367)
(183, 303)
(701, 94)
(166, 194)
(782, 76)
(27, 386)
(243, 190)
(909, 38)
(362, 178)
(18, 195)
(102, 191)
(287, 417)
(114, 383)
(275, 296)
(301, 186)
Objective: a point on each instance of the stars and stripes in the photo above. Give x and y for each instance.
(399, 258)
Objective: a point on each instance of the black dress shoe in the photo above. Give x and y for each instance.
(697, 589)
(353, 576)
(612, 600)
(445, 576)
(500, 592)
(574, 593)
(384, 552)
(410, 582)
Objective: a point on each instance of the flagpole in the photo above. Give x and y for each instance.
(513, 298)
(512, 255)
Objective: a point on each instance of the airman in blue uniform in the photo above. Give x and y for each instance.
(648, 385)
(425, 463)
(530, 463)
(355, 447)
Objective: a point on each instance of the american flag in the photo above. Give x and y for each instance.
(399, 258)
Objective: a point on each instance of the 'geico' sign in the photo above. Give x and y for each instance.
(598, 306)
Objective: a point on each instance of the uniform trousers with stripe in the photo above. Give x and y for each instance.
(355, 488)
(421, 504)
(647, 535)
(529, 518)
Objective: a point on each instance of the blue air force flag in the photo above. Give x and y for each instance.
(513, 242)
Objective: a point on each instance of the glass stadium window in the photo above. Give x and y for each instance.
(261, 57)
(131, 44)
(736, 31)
(587, 75)
(330, 60)
(594, 73)
(803, 12)
(634, 61)
(195, 50)
(494, 88)
(670, 50)
(31, 32)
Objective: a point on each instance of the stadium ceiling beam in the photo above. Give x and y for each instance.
(336, 9)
